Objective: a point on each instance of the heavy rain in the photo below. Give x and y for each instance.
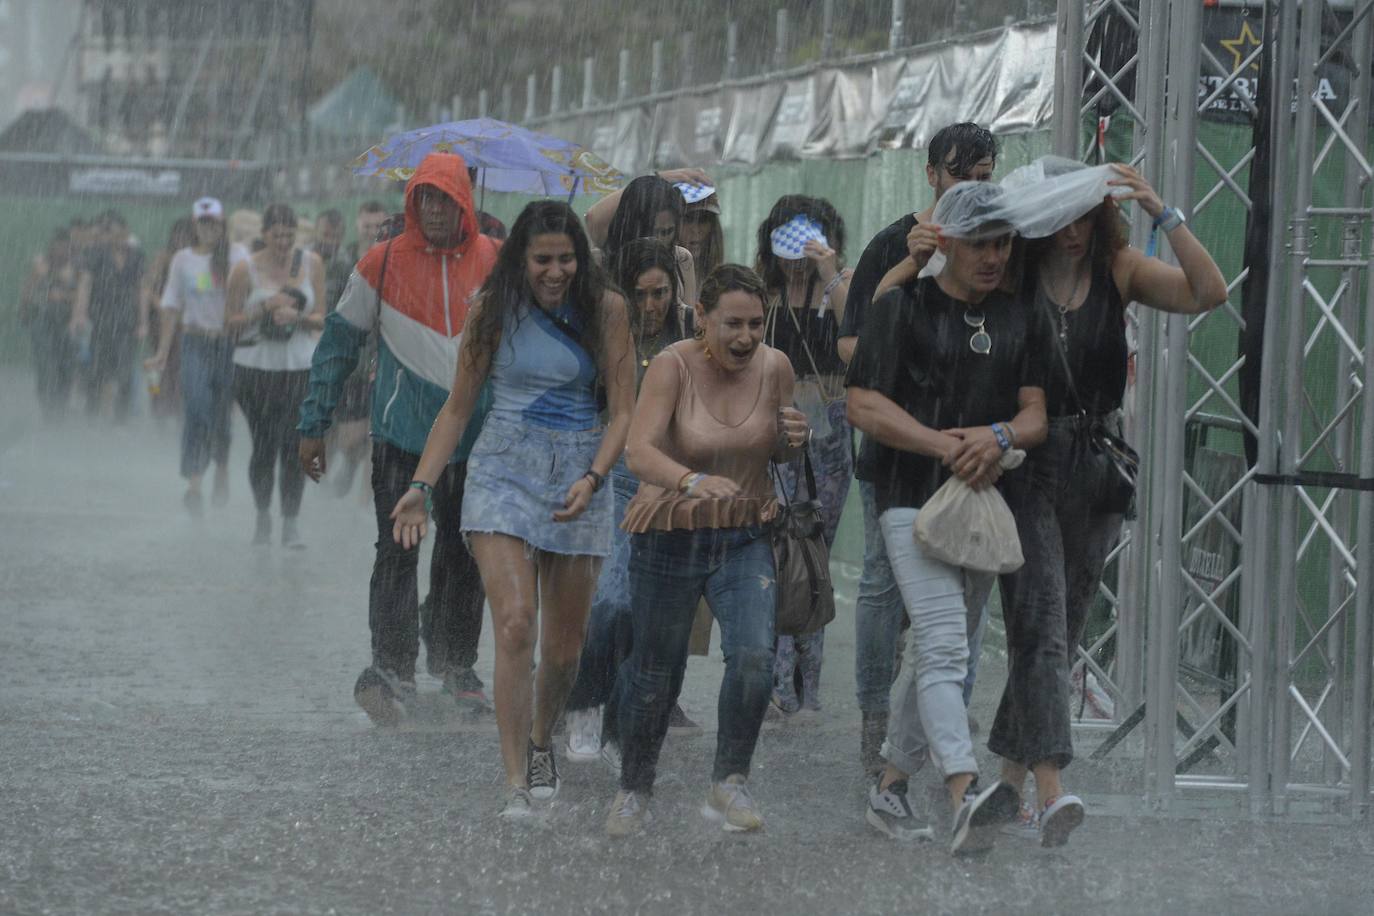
(508, 457)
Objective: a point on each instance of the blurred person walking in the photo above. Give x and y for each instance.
(45, 309)
(414, 290)
(952, 379)
(164, 386)
(649, 278)
(712, 413)
(543, 332)
(800, 256)
(108, 310)
(647, 207)
(1080, 278)
(275, 304)
(959, 152)
(194, 299)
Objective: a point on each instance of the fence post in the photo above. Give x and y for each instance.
(531, 89)
(556, 100)
(687, 75)
(896, 37)
(483, 103)
(780, 43)
(622, 80)
(827, 29)
(731, 49)
(588, 82)
(656, 67)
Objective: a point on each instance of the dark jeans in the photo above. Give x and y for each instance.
(54, 363)
(609, 627)
(1046, 602)
(669, 573)
(207, 379)
(453, 623)
(112, 363)
(271, 402)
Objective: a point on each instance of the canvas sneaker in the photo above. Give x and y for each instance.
(982, 810)
(584, 735)
(1026, 825)
(1060, 817)
(890, 813)
(518, 805)
(628, 815)
(541, 773)
(383, 695)
(730, 804)
(467, 690)
(610, 755)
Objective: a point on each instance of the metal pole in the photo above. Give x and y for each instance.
(1068, 78)
(656, 67)
(896, 37)
(1362, 696)
(622, 78)
(588, 82)
(780, 41)
(483, 103)
(508, 101)
(531, 90)
(455, 107)
(827, 29)
(731, 49)
(687, 75)
(1290, 448)
(556, 92)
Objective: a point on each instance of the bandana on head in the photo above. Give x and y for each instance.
(693, 192)
(791, 237)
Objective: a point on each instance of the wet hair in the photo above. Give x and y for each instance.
(112, 217)
(1109, 236)
(639, 257)
(491, 227)
(959, 147)
(642, 200)
(372, 206)
(277, 215)
(332, 217)
(507, 287)
(713, 246)
(731, 278)
(787, 207)
(181, 235)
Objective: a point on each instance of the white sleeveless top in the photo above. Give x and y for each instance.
(291, 355)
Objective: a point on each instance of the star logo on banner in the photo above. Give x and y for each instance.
(1240, 45)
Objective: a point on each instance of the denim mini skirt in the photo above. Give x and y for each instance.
(518, 476)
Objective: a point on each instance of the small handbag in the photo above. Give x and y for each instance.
(805, 596)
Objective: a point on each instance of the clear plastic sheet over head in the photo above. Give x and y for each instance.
(1046, 195)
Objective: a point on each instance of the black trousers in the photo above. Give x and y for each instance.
(453, 619)
(271, 402)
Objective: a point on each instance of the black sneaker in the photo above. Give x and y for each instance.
(890, 813)
(1061, 816)
(680, 724)
(981, 813)
(541, 772)
(467, 690)
(383, 695)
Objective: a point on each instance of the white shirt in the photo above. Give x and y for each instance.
(291, 355)
(191, 289)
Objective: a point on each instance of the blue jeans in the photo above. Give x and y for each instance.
(609, 627)
(669, 572)
(928, 698)
(207, 393)
(878, 616)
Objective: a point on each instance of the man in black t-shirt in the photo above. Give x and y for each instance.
(948, 377)
(107, 308)
(959, 152)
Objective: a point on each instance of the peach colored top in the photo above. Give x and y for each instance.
(697, 439)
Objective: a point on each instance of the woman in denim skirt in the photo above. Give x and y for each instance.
(544, 331)
(712, 412)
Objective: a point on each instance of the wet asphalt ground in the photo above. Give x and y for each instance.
(177, 735)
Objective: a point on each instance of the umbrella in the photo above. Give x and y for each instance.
(507, 158)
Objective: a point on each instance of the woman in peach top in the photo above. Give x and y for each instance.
(712, 412)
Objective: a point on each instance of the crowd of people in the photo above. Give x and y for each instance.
(602, 421)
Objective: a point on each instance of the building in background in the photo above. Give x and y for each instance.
(35, 44)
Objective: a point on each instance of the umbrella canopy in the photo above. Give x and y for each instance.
(507, 157)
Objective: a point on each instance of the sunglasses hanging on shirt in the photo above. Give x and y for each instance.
(981, 341)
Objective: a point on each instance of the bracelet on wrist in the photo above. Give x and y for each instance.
(1002, 439)
(426, 489)
(598, 481)
(1169, 219)
(689, 482)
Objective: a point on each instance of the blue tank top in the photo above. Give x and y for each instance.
(542, 376)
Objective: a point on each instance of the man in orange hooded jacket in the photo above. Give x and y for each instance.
(414, 290)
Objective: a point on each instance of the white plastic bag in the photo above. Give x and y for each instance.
(971, 529)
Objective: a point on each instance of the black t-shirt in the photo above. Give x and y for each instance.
(1095, 338)
(915, 351)
(884, 252)
(804, 337)
(114, 289)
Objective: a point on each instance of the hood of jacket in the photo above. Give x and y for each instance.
(449, 173)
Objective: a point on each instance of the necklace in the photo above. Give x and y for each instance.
(1063, 307)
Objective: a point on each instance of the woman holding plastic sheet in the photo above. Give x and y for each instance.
(648, 275)
(801, 259)
(1080, 277)
(544, 330)
(712, 413)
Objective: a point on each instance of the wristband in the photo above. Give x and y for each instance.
(689, 481)
(1002, 439)
(427, 490)
(829, 288)
(597, 480)
(1169, 220)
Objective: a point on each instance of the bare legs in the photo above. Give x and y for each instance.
(518, 587)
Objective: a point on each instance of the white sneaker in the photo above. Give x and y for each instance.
(610, 755)
(584, 735)
(518, 805)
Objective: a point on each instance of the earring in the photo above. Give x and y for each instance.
(699, 333)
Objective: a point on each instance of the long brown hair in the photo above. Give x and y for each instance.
(1108, 237)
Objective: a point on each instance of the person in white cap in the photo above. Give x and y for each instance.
(194, 298)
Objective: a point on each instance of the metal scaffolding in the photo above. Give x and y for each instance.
(1286, 730)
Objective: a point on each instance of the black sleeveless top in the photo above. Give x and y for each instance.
(1094, 339)
(801, 333)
